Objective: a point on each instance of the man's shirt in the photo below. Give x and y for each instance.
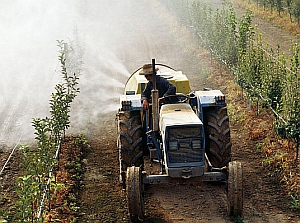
(164, 87)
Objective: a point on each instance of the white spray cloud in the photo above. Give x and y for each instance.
(115, 38)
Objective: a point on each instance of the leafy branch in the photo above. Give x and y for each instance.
(39, 163)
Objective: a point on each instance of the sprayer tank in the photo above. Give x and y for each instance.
(136, 83)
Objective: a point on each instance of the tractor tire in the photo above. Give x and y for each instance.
(129, 141)
(235, 189)
(218, 145)
(134, 193)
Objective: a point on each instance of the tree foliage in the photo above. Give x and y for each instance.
(265, 74)
(290, 6)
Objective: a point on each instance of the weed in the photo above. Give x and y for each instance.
(237, 219)
(295, 202)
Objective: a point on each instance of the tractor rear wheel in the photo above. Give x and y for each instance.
(134, 192)
(235, 189)
(129, 141)
(218, 145)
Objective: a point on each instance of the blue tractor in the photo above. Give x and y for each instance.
(189, 140)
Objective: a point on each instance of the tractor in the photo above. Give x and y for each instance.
(189, 139)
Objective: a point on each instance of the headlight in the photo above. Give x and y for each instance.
(220, 99)
(126, 105)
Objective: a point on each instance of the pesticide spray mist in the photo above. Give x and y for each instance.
(113, 38)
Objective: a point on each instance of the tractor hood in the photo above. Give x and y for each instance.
(177, 115)
(182, 138)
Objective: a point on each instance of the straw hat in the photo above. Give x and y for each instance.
(147, 69)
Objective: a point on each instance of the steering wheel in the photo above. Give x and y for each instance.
(176, 98)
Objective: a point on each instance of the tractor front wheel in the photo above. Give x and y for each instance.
(134, 192)
(235, 189)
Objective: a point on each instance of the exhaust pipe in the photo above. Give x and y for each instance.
(155, 105)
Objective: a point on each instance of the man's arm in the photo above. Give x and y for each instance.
(146, 96)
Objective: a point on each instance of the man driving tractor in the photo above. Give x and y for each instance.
(164, 87)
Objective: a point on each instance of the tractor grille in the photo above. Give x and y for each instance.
(185, 151)
(185, 146)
